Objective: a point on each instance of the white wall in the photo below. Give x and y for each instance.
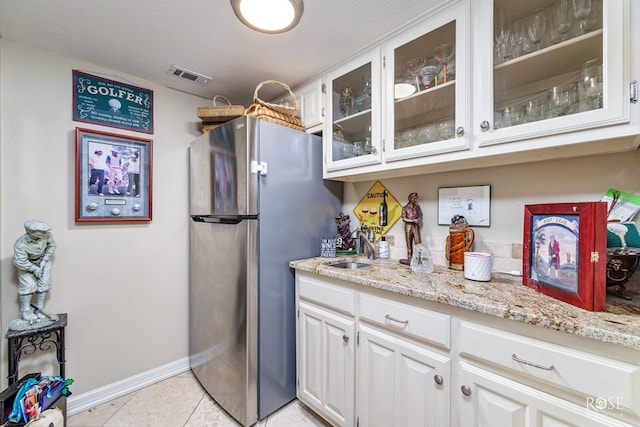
(124, 286)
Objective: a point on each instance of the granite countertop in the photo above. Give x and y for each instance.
(504, 296)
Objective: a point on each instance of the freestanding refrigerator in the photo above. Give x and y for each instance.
(257, 201)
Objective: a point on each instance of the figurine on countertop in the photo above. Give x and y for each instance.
(344, 232)
(411, 215)
(32, 257)
(459, 220)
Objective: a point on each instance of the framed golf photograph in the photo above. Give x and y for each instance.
(113, 177)
(565, 252)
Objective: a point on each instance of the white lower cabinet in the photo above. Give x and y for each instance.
(400, 383)
(326, 372)
(368, 358)
(491, 400)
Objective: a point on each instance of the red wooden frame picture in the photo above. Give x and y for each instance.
(113, 177)
(565, 252)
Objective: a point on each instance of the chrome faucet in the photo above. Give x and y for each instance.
(368, 241)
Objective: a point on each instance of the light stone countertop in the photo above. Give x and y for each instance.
(504, 296)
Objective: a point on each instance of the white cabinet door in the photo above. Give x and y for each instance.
(429, 62)
(352, 122)
(326, 363)
(490, 400)
(536, 93)
(310, 103)
(399, 383)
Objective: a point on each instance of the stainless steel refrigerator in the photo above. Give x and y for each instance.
(257, 201)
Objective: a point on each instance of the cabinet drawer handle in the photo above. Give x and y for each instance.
(485, 125)
(459, 131)
(535, 365)
(466, 390)
(404, 322)
(438, 379)
(345, 338)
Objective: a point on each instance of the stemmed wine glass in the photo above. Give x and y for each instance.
(537, 25)
(517, 37)
(413, 68)
(581, 10)
(502, 32)
(561, 20)
(346, 100)
(443, 54)
(592, 83)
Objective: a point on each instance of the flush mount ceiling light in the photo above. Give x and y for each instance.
(268, 16)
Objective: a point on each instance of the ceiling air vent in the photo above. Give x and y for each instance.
(189, 75)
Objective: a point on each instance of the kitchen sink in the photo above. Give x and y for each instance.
(350, 265)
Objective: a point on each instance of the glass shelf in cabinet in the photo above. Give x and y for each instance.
(441, 97)
(551, 61)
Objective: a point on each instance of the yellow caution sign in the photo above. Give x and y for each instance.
(368, 210)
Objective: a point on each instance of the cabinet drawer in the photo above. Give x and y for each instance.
(416, 322)
(575, 370)
(335, 297)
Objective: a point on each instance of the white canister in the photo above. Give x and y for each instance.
(477, 266)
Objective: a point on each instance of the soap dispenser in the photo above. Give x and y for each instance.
(383, 248)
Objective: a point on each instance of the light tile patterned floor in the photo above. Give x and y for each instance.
(181, 401)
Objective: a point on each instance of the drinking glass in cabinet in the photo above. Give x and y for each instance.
(563, 99)
(502, 34)
(535, 109)
(512, 115)
(592, 85)
(561, 20)
(413, 68)
(429, 73)
(444, 54)
(537, 26)
(581, 11)
(346, 101)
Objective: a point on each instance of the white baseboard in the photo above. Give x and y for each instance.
(88, 400)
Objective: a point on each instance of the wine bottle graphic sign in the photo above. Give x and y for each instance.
(371, 211)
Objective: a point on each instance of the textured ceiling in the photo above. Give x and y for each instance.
(144, 38)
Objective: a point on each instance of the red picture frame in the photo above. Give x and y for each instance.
(113, 177)
(565, 252)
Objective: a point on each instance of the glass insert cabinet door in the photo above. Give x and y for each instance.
(561, 62)
(353, 136)
(426, 87)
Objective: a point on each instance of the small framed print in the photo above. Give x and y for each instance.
(113, 177)
(473, 203)
(564, 252)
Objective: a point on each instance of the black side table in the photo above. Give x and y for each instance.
(29, 341)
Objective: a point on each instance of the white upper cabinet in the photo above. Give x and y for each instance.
(352, 124)
(549, 67)
(311, 104)
(517, 81)
(426, 107)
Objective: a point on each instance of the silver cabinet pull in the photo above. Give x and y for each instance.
(345, 338)
(438, 379)
(459, 131)
(404, 322)
(485, 125)
(466, 390)
(535, 365)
